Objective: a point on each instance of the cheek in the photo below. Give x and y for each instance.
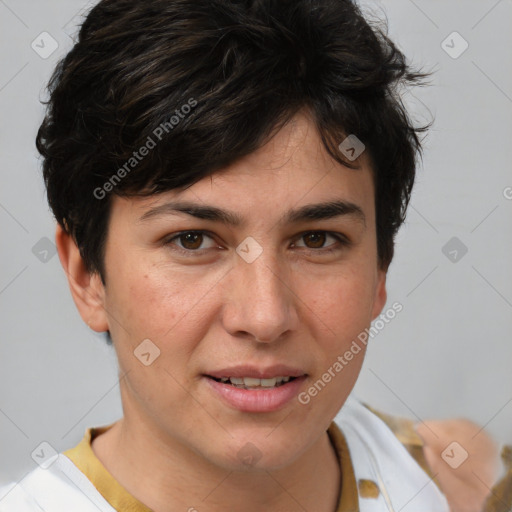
(343, 302)
(170, 306)
(167, 311)
(340, 311)
(142, 303)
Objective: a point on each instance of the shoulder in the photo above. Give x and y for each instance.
(14, 498)
(404, 431)
(460, 457)
(379, 454)
(58, 488)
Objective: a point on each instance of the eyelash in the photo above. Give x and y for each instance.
(342, 240)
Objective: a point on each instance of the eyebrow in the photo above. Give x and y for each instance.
(318, 211)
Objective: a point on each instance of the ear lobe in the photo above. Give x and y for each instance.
(381, 294)
(86, 288)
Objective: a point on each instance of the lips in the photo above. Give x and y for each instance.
(256, 389)
(249, 371)
(251, 382)
(255, 399)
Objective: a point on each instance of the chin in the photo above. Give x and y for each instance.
(258, 454)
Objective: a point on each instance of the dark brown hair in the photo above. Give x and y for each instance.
(215, 79)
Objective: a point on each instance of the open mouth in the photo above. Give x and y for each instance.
(253, 383)
(254, 395)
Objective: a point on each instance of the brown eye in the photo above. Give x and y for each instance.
(194, 243)
(191, 240)
(317, 240)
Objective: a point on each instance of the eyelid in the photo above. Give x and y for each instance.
(343, 241)
(169, 239)
(340, 237)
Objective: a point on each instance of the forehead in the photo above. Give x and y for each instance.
(290, 170)
(296, 148)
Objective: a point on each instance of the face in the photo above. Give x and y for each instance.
(262, 290)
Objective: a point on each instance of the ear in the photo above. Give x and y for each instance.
(87, 289)
(381, 294)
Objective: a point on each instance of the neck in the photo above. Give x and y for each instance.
(166, 476)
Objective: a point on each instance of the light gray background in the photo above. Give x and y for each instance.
(448, 353)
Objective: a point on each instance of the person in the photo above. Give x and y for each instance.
(227, 179)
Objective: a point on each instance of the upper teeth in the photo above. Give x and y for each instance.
(252, 382)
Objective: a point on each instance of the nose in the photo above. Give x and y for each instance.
(259, 300)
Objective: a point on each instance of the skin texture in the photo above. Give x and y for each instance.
(296, 304)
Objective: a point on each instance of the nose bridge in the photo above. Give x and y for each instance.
(261, 303)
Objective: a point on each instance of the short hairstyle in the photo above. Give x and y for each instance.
(200, 84)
